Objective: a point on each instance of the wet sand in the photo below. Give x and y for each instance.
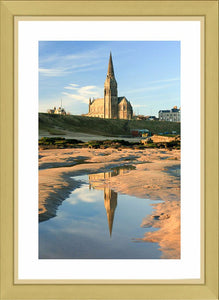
(153, 177)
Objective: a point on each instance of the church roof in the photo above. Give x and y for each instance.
(121, 98)
(97, 100)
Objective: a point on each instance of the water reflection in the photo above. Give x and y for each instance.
(110, 203)
(110, 197)
(85, 221)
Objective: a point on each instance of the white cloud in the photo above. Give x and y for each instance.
(70, 88)
(49, 59)
(82, 56)
(88, 90)
(83, 93)
(85, 195)
(65, 68)
(53, 72)
(75, 98)
(59, 65)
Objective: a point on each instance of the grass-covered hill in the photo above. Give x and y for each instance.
(59, 124)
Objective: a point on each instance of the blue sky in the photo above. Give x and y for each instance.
(147, 73)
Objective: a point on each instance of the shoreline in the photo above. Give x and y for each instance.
(153, 178)
(58, 165)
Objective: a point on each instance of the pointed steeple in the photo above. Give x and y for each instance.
(110, 203)
(110, 93)
(110, 72)
(110, 217)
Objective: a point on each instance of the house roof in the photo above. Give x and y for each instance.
(175, 110)
(167, 111)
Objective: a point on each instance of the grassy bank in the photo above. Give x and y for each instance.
(58, 125)
(62, 143)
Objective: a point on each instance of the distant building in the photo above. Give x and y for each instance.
(142, 117)
(151, 118)
(51, 111)
(172, 115)
(140, 132)
(111, 106)
(57, 111)
(60, 111)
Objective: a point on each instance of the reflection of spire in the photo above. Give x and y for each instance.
(110, 197)
(110, 203)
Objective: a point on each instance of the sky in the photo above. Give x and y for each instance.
(147, 74)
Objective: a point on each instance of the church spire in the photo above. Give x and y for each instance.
(110, 72)
(110, 93)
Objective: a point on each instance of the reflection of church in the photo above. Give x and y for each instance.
(97, 181)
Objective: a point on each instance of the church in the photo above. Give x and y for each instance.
(111, 106)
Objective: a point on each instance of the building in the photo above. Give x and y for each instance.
(111, 106)
(151, 118)
(172, 115)
(57, 111)
(142, 117)
(140, 132)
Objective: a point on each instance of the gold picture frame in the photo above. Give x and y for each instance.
(10, 10)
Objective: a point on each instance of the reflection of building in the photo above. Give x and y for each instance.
(97, 181)
(111, 106)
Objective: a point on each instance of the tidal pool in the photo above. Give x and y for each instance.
(96, 222)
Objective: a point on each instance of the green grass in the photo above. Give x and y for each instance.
(55, 131)
(108, 127)
(62, 143)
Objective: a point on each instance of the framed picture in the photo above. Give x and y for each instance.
(109, 154)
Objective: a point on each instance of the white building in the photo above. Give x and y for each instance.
(172, 115)
(57, 111)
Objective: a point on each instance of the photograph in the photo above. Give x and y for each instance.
(109, 150)
(109, 146)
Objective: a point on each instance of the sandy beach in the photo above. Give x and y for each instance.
(154, 177)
